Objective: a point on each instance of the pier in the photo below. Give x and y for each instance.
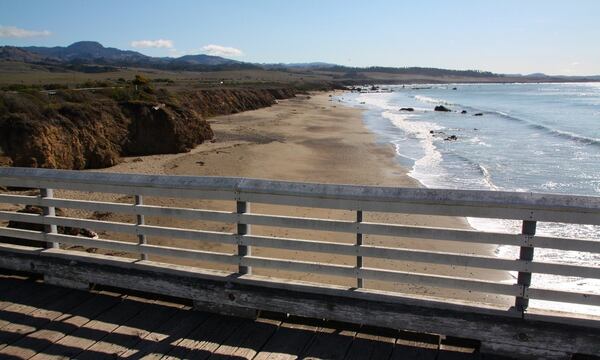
(230, 288)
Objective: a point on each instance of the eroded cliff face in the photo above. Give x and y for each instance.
(84, 130)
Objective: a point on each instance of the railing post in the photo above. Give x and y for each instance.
(49, 211)
(359, 240)
(243, 229)
(140, 220)
(526, 254)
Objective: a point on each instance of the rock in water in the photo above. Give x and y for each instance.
(407, 109)
(451, 138)
(463, 112)
(478, 114)
(441, 108)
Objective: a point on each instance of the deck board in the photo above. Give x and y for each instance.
(42, 339)
(47, 322)
(26, 324)
(289, 341)
(127, 335)
(87, 335)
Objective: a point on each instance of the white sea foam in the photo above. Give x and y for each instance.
(430, 100)
(431, 170)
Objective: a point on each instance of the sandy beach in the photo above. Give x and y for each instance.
(308, 138)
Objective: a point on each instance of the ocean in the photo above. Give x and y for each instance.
(526, 137)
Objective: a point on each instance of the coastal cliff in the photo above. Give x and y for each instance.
(85, 130)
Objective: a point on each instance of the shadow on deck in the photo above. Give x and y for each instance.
(40, 321)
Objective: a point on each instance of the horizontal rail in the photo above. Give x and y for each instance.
(367, 228)
(440, 281)
(527, 207)
(507, 205)
(563, 296)
(311, 267)
(420, 256)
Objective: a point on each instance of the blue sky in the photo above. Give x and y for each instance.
(555, 37)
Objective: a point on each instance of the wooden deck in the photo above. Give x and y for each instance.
(41, 321)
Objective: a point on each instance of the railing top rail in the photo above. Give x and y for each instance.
(35, 177)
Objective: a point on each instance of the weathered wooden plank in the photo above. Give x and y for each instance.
(288, 342)
(14, 291)
(70, 222)
(199, 235)
(416, 346)
(87, 335)
(22, 234)
(299, 222)
(315, 246)
(247, 340)
(433, 257)
(500, 333)
(565, 244)
(299, 266)
(329, 343)
(41, 341)
(29, 323)
(510, 205)
(135, 248)
(563, 296)
(203, 341)
(440, 281)
(298, 244)
(477, 209)
(158, 343)
(129, 333)
(367, 346)
(20, 310)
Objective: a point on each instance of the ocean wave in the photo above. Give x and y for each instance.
(431, 100)
(555, 132)
(427, 169)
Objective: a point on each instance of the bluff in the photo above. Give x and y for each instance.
(84, 130)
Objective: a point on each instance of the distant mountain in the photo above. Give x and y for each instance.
(309, 65)
(94, 53)
(12, 53)
(536, 75)
(203, 59)
(86, 50)
(91, 56)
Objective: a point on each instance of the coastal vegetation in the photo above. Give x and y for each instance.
(81, 129)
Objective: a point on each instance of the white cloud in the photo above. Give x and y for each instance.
(219, 50)
(15, 32)
(160, 43)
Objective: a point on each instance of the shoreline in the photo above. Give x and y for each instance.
(310, 139)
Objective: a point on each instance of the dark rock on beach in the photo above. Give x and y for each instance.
(478, 114)
(451, 138)
(441, 108)
(463, 112)
(407, 109)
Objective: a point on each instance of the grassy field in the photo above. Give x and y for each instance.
(19, 73)
(28, 74)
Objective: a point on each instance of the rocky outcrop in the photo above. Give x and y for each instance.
(441, 108)
(407, 109)
(84, 130)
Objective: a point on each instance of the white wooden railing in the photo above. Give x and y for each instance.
(527, 207)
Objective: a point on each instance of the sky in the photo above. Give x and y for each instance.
(504, 36)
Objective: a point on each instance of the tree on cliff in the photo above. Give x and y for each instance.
(140, 82)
